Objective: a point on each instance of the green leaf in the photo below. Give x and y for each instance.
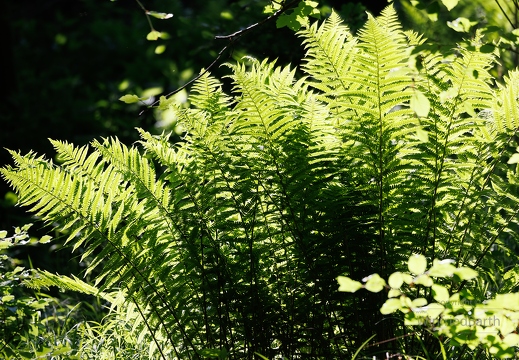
(450, 4)
(411, 319)
(310, 9)
(395, 280)
(374, 283)
(4, 244)
(514, 159)
(153, 35)
(268, 10)
(272, 8)
(348, 285)
(443, 268)
(7, 298)
(393, 293)
(424, 280)
(159, 15)
(417, 264)
(440, 293)
(488, 48)
(299, 17)
(130, 99)
(45, 239)
(461, 24)
(390, 306)
(422, 135)
(3, 234)
(512, 274)
(292, 21)
(420, 104)
(261, 356)
(160, 49)
(432, 16)
(465, 273)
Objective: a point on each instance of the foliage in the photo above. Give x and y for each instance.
(40, 326)
(296, 18)
(32, 326)
(225, 242)
(73, 60)
(425, 302)
(452, 21)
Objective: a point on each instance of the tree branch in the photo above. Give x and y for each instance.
(232, 38)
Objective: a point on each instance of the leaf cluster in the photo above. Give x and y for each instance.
(459, 316)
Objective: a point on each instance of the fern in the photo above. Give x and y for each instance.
(230, 240)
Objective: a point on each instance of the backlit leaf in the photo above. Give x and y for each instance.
(424, 280)
(465, 273)
(348, 285)
(440, 293)
(159, 15)
(130, 99)
(45, 239)
(422, 135)
(153, 35)
(390, 306)
(420, 104)
(450, 4)
(514, 159)
(443, 268)
(374, 283)
(417, 264)
(395, 280)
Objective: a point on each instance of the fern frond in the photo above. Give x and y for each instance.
(330, 49)
(505, 111)
(44, 279)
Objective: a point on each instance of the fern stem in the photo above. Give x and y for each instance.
(152, 332)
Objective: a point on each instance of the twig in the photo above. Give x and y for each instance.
(146, 12)
(239, 33)
(232, 39)
(504, 13)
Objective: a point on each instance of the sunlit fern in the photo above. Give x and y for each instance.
(231, 239)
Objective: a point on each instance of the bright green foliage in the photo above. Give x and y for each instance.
(25, 319)
(227, 242)
(298, 17)
(491, 324)
(36, 325)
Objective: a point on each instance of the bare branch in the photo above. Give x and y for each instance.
(232, 38)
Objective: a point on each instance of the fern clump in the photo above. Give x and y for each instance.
(229, 242)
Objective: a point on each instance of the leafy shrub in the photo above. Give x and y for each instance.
(227, 243)
(459, 316)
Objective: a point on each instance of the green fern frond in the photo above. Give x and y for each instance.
(207, 94)
(329, 53)
(505, 111)
(44, 279)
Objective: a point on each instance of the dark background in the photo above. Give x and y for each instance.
(67, 62)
